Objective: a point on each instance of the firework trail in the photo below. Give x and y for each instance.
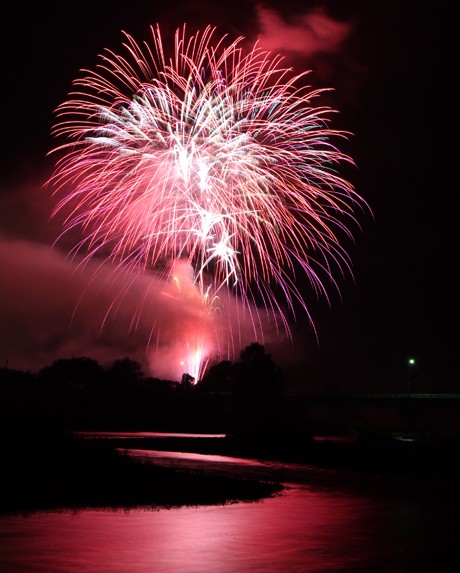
(216, 157)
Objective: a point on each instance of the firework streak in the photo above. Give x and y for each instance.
(215, 156)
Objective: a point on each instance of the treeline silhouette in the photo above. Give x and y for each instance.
(48, 465)
(77, 393)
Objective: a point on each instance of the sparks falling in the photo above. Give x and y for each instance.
(215, 156)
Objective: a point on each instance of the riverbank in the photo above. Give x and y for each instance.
(48, 469)
(407, 455)
(56, 471)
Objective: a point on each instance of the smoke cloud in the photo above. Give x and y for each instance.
(307, 34)
(52, 308)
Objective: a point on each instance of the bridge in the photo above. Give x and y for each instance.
(422, 411)
(377, 399)
(339, 413)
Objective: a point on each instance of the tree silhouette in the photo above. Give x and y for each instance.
(218, 378)
(256, 392)
(64, 387)
(71, 373)
(125, 372)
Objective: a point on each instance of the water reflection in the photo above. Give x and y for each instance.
(287, 473)
(116, 435)
(326, 521)
(299, 531)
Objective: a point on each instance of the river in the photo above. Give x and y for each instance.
(326, 520)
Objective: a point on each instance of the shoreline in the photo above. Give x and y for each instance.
(71, 474)
(429, 458)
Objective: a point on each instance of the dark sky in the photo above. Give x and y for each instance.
(383, 60)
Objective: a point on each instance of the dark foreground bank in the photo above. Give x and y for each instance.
(51, 470)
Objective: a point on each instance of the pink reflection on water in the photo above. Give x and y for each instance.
(114, 435)
(322, 523)
(292, 533)
(286, 473)
(297, 532)
(190, 456)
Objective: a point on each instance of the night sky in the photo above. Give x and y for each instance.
(383, 61)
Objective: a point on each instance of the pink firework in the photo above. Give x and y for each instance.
(215, 156)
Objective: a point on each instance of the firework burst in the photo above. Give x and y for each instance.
(216, 156)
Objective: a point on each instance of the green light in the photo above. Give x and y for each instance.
(411, 361)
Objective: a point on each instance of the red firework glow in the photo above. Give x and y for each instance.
(214, 159)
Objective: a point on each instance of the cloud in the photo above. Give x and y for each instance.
(307, 35)
(52, 308)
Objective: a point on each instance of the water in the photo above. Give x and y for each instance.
(325, 521)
